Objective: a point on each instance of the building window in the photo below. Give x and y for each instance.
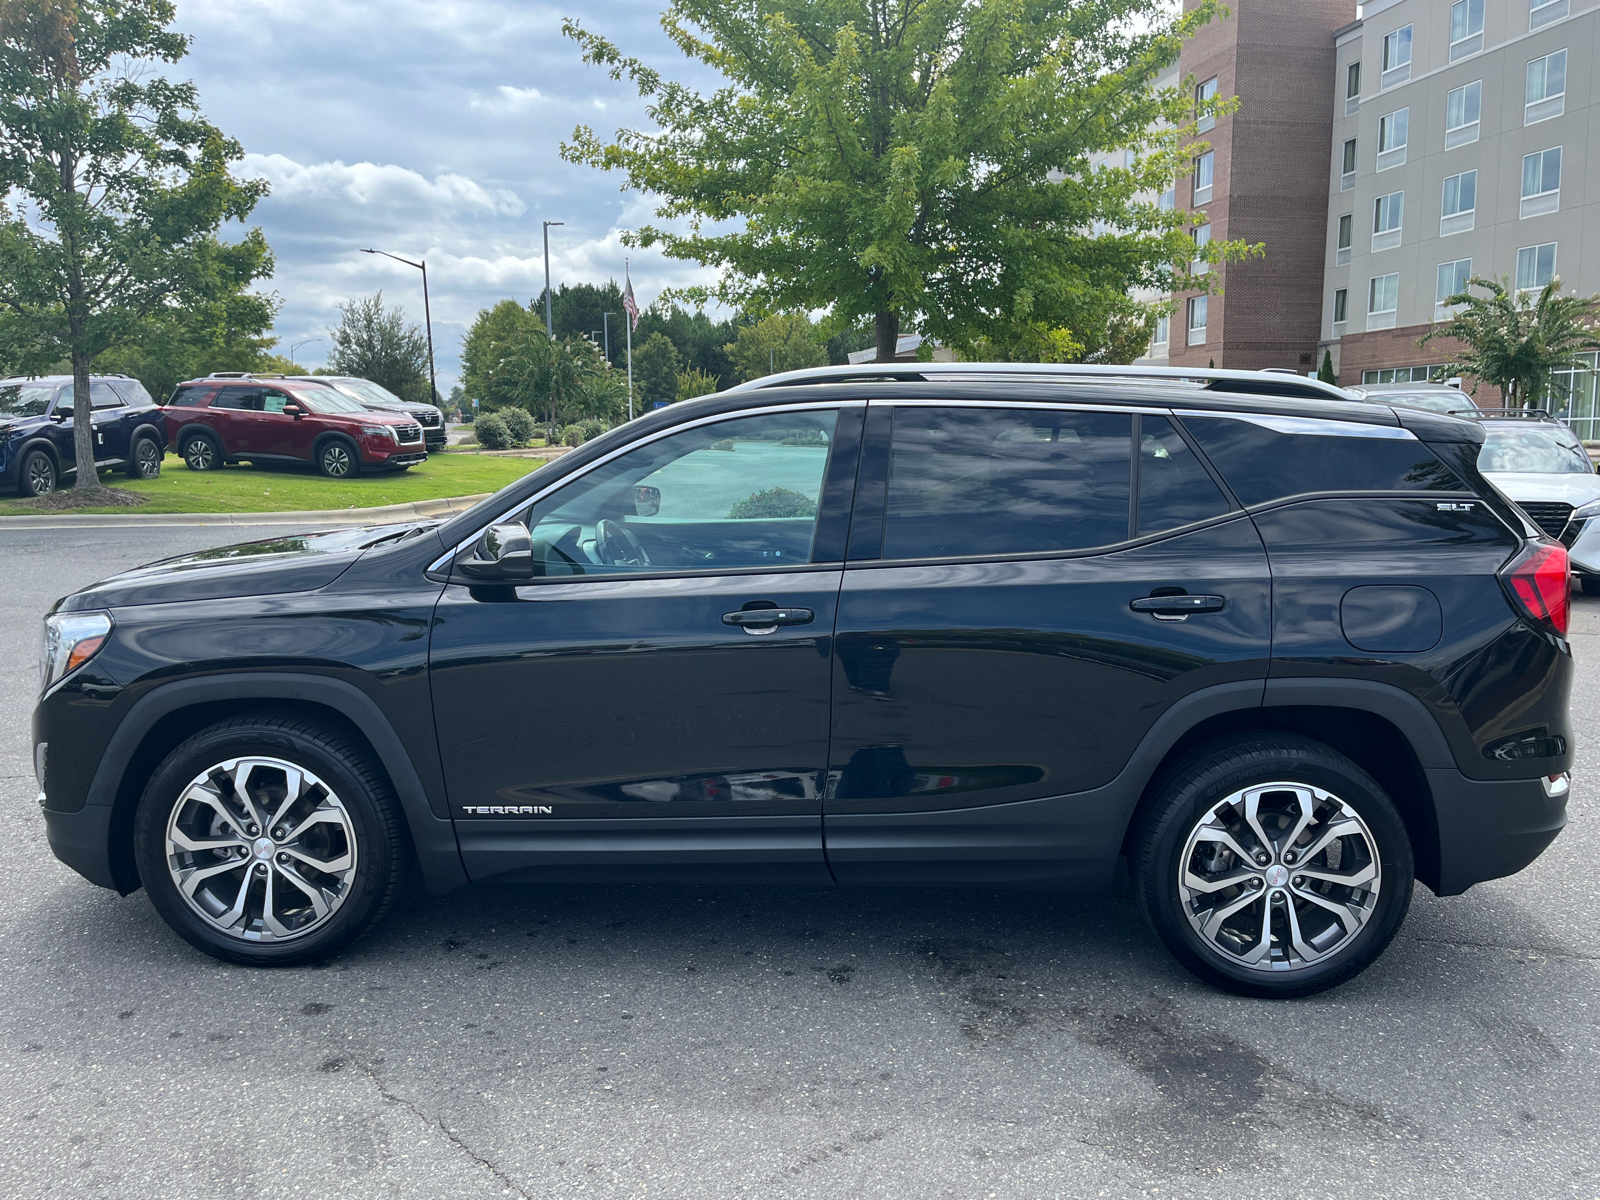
(1541, 182)
(1168, 199)
(1536, 266)
(1393, 131)
(1576, 389)
(1203, 96)
(1352, 87)
(1407, 375)
(1341, 304)
(1546, 94)
(1202, 238)
(1396, 58)
(1462, 107)
(1452, 281)
(1387, 214)
(1197, 320)
(1466, 28)
(1542, 12)
(1163, 323)
(1346, 225)
(1383, 301)
(1204, 168)
(1460, 203)
(1347, 167)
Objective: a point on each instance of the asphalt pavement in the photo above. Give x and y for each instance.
(735, 1042)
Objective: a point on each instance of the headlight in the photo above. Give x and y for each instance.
(381, 431)
(1591, 509)
(70, 640)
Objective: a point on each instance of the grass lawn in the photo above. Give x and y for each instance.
(291, 489)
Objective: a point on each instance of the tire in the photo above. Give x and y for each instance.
(338, 458)
(1590, 584)
(144, 461)
(202, 452)
(343, 838)
(1198, 825)
(37, 475)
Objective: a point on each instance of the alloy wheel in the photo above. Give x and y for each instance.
(261, 849)
(336, 460)
(1279, 877)
(148, 459)
(41, 475)
(200, 454)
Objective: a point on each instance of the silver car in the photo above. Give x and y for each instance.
(1435, 397)
(1541, 465)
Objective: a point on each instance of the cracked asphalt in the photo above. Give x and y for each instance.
(728, 1042)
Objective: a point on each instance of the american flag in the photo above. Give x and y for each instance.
(630, 304)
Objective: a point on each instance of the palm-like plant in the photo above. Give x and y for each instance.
(1516, 342)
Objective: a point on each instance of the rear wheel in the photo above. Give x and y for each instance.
(269, 841)
(1590, 584)
(37, 476)
(1271, 865)
(202, 453)
(338, 459)
(145, 461)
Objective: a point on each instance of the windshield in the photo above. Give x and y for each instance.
(365, 389)
(1535, 449)
(327, 400)
(25, 399)
(1443, 402)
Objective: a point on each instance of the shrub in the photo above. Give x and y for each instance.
(492, 432)
(520, 425)
(774, 502)
(582, 431)
(572, 435)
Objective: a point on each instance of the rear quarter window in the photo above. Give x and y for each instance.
(1266, 458)
(188, 397)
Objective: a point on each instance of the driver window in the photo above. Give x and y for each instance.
(273, 402)
(733, 494)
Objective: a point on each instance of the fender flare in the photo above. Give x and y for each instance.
(152, 429)
(322, 439)
(433, 837)
(185, 432)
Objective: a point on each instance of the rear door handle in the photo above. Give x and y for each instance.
(1176, 608)
(766, 620)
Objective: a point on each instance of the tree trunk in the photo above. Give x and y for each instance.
(888, 325)
(82, 425)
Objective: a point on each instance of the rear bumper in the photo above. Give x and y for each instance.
(1489, 829)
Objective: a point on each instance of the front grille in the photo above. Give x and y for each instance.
(410, 433)
(431, 419)
(1549, 515)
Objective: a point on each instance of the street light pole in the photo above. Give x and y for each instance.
(427, 315)
(293, 346)
(549, 324)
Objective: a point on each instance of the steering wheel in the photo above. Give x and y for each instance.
(615, 545)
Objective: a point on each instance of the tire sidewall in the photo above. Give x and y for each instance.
(377, 858)
(25, 475)
(202, 439)
(351, 452)
(1191, 793)
(135, 463)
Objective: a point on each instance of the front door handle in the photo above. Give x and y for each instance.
(767, 620)
(1176, 608)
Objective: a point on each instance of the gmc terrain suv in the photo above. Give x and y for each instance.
(997, 627)
(37, 451)
(262, 419)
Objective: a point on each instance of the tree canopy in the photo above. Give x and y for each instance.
(931, 164)
(373, 341)
(1515, 341)
(114, 189)
(781, 343)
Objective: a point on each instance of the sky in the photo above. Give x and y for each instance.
(429, 129)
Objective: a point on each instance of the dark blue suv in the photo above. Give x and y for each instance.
(36, 451)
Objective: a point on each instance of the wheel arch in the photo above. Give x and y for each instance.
(327, 435)
(149, 429)
(197, 428)
(162, 719)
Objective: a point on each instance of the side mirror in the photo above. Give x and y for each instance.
(293, 410)
(646, 501)
(503, 552)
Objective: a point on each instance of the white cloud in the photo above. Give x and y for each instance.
(375, 185)
(507, 99)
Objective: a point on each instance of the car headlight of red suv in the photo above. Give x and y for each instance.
(381, 431)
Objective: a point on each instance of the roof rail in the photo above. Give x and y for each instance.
(1533, 414)
(229, 375)
(1260, 383)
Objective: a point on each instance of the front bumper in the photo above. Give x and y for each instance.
(1583, 548)
(1489, 829)
(405, 456)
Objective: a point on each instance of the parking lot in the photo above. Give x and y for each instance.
(726, 1042)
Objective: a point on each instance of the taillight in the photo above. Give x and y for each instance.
(1539, 583)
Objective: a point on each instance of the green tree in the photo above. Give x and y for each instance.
(701, 342)
(493, 353)
(117, 188)
(1325, 372)
(655, 371)
(928, 164)
(579, 310)
(1514, 341)
(374, 342)
(782, 343)
(695, 382)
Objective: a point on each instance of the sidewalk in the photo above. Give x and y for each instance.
(383, 515)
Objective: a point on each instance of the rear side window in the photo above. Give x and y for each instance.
(188, 397)
(977, 481)
(246, 398)
(133, 391)
(1174, 487)
(1265, 458)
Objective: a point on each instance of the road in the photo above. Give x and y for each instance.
(733, 1042)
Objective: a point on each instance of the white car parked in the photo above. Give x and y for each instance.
(1540, 463)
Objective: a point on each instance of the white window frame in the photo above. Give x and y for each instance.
(1343, 239)
(1201, 235)
(1546, 199)
(1389, 208)
(1470, 40)
(1441, 310)
(1347, 164)
(1533, 253)
(1197, 333)
(1392, 153)
(1202, 195)
(1547, 104)
(1341, 310)
(1396, 58)
(1542, 13)
(1201, 96)
(1352, 87)
(1163, 330)
(1458, 220)
(1383, 318)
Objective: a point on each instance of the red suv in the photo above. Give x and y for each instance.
(261, 419)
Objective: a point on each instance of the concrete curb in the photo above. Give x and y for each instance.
(330, 516)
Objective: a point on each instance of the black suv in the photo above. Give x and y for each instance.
(996, 628)
(36, 447)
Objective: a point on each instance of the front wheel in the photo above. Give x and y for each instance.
(338, 459)
(37, 476)
(1271, 865)
(269, 841)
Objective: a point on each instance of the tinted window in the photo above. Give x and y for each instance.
(25, 399)
(1174, 488)
(134, 392)
(188, 397)
(272, 401)
(736, 493)
(101, 395)
(1266, 457)
(245, 398)
(973, 481)
(1533, 449)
